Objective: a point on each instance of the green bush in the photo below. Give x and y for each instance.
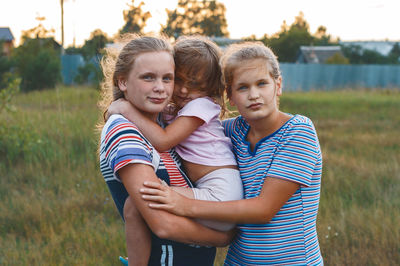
(9, 86)
(18, 142)
(89, 73)
(38, 63)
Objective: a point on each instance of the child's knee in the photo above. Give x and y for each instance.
(130, 210)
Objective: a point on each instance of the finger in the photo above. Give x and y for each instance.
(152, 184)
(159, 206)
(150, 191)
(158, 199)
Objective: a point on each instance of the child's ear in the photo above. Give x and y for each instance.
(278, 84)
(122, 84)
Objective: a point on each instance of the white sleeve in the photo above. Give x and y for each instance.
(203, 108)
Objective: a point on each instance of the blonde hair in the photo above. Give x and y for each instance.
(198, 59)
(237, 53)
(117, 63)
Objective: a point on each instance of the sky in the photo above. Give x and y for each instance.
(349, 20)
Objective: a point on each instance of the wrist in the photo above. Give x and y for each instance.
(189, 208)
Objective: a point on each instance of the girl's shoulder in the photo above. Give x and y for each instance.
(235, 125)
(299, 128)
(118, 127)
(202, 102)
(299, 121)
(203, 107)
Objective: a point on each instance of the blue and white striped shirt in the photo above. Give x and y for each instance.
(292, 153)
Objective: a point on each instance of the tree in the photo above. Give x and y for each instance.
(357, 55)
(38, 60)
(38, 32)
(135, 19)
(204, 17)
(394, 55)
(6, 64)
(353, 53)
(94, 45)
(91, 51)
(373, 57)
(337, 59)
(321, 38)
(286, 43)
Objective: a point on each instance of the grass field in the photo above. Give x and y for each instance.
(55, 208)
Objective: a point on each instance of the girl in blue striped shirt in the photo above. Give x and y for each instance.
(280, 163)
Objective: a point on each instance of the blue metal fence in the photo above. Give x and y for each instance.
(304, 77)
(69, 67)
(296, 77)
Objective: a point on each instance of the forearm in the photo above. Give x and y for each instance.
(164, 224)
(239, 211)
(185, 230)
(275, 193)
(151, 130)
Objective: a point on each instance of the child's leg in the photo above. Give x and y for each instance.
(223, 184)
(138, 238)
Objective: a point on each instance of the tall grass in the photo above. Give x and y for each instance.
(359, 215)
(55, 208)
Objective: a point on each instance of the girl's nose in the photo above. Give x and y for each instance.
(253, 93)
(159, 86)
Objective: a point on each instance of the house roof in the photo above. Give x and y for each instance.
(317, 54)
(6, 35)
(224, 42)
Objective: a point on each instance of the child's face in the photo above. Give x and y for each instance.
(254, 91)
(150, 82)
(186, 89)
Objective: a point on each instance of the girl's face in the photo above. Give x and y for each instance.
(186, 89)
(150, 82)
(254, 91)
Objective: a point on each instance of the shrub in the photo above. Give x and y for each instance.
(89, 73)
(38, 63)
(9, 86)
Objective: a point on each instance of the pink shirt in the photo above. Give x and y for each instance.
(207, 145)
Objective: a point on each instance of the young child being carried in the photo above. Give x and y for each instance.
(194, 129)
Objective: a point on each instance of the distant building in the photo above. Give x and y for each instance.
(317, 54)
(224, 42)
(7, 41)
(382, 47)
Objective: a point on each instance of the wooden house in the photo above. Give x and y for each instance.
(317, 54)
(6, 41)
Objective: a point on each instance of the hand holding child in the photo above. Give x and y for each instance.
(164, 197)
(120, 106)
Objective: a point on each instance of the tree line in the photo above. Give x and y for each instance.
(37, 60)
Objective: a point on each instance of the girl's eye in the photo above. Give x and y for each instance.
(262, 83)
(178, 81)
(168, 78)
(148, 77)
(241, 88)
(193, 85)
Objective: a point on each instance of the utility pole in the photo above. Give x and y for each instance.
(62, 26)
